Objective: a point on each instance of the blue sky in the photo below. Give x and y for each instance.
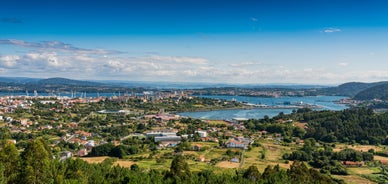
(220, 41)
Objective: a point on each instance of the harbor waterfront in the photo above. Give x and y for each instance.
(259, 106)
(64, 94)
(267, 106)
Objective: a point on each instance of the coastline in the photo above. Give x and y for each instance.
(256, 108)
(246, 107)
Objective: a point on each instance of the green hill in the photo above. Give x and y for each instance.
(349, 89)
(65, 81)
(55, 85)
(375, 92)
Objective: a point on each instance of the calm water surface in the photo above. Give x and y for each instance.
(327, 102)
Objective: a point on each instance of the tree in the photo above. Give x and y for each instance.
(299, 173)
(9, 157)
(102, 150)
(58, 171)
(36, 163)
(252, 173)
(298, 132)
(179, 168)
(3, 178)
(118, 151)
(134, 167)
(274, 175)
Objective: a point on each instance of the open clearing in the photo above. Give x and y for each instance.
(353, 179)
(227, 164)
(273, 156)
(301, 125)
(363, 148)
(94, 160)
(362, 170)
(376, 157)
(197, 166)
(217, 122)
(124, 163)
(151, 163)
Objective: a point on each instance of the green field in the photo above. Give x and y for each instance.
(272, 156)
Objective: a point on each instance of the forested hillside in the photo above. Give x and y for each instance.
(376, 92)
(59, 85)
(348, 89)
(359, 125)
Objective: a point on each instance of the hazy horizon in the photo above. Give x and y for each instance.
(189, 83)
(248, 42)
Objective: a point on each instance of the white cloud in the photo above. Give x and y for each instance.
(308, 70)
(78, 64)
(343, 64)
(116, 66)
(331, 30)
(55, 46)
(85, 58)
(9, 61)
(33, 55)
(177, 59)
(254, 19)
(173, 68)
(244, 64)
(48, 59)
(165, 73)
(191, 73)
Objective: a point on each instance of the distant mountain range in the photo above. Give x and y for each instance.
(9, 84)
(358, 90)
(64, 81)
(21, 80)
(145, 84)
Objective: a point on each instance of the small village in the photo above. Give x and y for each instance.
(74, 126)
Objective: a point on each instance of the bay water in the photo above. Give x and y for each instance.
(325, 102)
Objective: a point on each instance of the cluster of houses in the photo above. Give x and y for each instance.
(360, 164)
(81, 138)
(162, 117)
(238, 142)
(9, 104)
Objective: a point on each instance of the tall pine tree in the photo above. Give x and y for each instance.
(36, 163)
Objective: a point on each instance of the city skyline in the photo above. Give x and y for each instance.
(240, 42)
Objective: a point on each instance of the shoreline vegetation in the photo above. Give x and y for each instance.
(247, 107)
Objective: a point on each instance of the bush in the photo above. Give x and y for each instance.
(109, 161)
(134, 167)
(160, 160)
(383, 154)
(256, 144)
